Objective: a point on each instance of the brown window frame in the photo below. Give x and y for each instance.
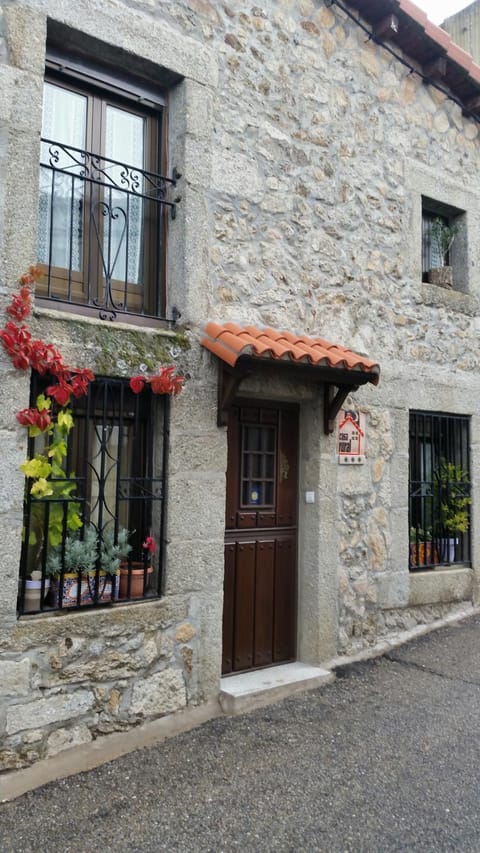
(102, 89)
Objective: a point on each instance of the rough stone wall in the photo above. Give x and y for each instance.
(304, 152)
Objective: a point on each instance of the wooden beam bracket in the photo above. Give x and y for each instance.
(228, 384)
(436, 69)
(387, 27)
(333, 402)
(473, 105)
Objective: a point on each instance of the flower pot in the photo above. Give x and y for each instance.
(33, 592)
(137, 575)
(67, 593)
(446, 549)
(443, 276)
(423, 554)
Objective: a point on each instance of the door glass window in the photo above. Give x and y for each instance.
(258, 465)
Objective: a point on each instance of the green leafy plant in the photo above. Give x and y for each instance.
(452, 499)
(443, 236)
(113, 551)
(79, 553)
(74, 553)
(418, 534)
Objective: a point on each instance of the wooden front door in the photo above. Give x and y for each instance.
(259, 623)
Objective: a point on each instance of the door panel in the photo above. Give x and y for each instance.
(261, 537)
(228, 608)
(264, 603)
(284, 595)
(244, 606)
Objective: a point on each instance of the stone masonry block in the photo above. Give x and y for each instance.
(66, 738)
(14, 677)
(161, 693)
(44, 712)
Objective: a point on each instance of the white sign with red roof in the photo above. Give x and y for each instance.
(351, 437)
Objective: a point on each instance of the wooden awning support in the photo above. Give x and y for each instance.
(333, 402)
(228, 384)
(386, 27)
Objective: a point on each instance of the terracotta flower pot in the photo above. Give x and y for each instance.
(137, 575)
(423, 553)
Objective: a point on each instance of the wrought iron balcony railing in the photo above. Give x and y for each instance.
(102, 230)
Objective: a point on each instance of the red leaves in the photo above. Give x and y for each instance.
(17, 342)
(21, 305)
(46, 359)
(70, 382)
(61, 392)
(34, 274)
(164, 382)
(34, 417)
(137, 384)
(40, 356)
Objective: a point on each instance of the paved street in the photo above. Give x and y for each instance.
(385, 759)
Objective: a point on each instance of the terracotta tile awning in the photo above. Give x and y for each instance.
(230, 342)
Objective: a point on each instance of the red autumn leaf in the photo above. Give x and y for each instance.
(61, 393)
(137, 383)
(34, 417)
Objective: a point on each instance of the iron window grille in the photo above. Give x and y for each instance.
(116, 466)
(439, 490)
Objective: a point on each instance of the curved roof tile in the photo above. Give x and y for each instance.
(229, 342)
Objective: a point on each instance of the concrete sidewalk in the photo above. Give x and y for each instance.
(387, 758)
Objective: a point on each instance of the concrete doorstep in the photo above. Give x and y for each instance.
(250, 690)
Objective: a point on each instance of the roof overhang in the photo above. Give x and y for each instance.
(244, 351)
(406, 32)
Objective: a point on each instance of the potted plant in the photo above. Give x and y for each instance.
(134, 575)
(73, 566)
(33, 597)
(452, 502)
(422, 548)
(442, 235)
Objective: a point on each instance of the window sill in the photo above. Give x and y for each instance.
(84, 615)
(442, 585)
(134, 322)
(458, 300)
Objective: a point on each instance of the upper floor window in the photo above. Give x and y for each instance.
(442, 227)
(103, 202)
(439, 484)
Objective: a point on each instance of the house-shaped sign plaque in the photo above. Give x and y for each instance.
(351, 437)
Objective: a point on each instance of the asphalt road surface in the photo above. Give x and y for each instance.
(387, 758)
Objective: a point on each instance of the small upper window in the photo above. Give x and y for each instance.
(441, 228)
(103, 203)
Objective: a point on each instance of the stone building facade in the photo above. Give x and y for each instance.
(304, 153)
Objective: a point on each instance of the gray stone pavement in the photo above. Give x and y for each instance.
(387, 758)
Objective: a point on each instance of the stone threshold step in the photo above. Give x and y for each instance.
(249, 690)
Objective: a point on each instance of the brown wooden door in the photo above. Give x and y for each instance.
(259, 624)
